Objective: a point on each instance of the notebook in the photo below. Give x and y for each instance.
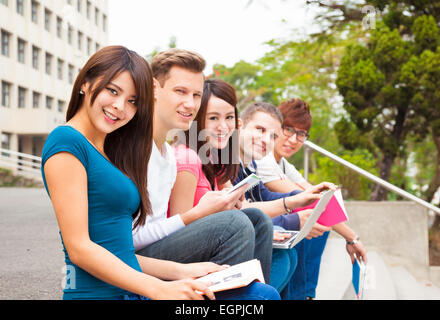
(334, 213)
(297, 236)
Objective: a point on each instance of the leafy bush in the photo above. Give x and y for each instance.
(354, 186)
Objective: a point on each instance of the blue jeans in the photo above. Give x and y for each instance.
(284, 263)
(228, 237)
(254, 291)
(263, 228)
(305, 278)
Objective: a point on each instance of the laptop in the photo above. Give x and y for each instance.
(297, 236)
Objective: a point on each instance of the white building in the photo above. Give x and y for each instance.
(43, 45)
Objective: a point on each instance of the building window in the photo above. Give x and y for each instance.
(21, 97)
(34, 11)
(97, 46)
(88, 9)
(47, 19)
(5, 2)
(20, 7)
(78, 5)
(104, 23)
(60, 67)
(6, 94)
(89, 46)
(6, 39)
(70, 74)
(48, 63)
(35, 57)
(6, 143)
(49, 102)
(36, 97)
(59, 27)
(69, 34)
(80, 40)
(61, 106)
(21, 50)
(96, 15)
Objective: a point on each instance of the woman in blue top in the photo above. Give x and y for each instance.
(95, 171)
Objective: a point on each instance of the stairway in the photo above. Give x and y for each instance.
(383, 281)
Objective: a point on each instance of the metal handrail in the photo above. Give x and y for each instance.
(24, 162)
(23, 155)
(310, 145)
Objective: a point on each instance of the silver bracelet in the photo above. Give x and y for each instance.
(356, 240)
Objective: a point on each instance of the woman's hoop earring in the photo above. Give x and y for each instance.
(81, 92)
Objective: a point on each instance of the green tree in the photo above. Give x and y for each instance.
(305, 69)
(353, 185)
(380, 83)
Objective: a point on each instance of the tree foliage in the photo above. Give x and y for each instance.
(389, 84)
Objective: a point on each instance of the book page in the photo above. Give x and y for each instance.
(311, 220)
(236, 276)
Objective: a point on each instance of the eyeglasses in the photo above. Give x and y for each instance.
(300, 135)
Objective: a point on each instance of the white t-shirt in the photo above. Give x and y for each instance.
(271, 170)
(162, 173)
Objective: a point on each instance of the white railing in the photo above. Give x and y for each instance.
(21, 163)
(310, 145)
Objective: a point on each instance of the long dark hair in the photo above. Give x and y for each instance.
(224, 163)
(129, 147)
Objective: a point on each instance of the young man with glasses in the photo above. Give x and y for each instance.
(259, 125)
(279, 175)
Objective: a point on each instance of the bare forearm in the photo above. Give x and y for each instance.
(105, 266)
(345, 231)
(283, 186)
(162, 269)
(272, 208)
(193, 214)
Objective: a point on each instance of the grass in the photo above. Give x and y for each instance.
(7, 179)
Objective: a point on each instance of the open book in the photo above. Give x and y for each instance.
(250, 180)
(297, 236)
(237, 276)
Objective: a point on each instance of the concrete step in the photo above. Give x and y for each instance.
(336, 275)
(335, 271)
(408, 288)
(382, 282)
(379, 284)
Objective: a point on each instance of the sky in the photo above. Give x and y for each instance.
(222, 31)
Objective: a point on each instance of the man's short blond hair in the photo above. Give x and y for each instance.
(162, 63)
(248, 113)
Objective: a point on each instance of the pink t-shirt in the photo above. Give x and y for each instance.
(188, 160)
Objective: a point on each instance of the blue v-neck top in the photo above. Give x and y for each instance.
(112, 200)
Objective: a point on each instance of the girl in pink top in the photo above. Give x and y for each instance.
(207, 158)
(207, 154)
(188, 160)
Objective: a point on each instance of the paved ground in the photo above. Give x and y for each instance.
(32, 260)
(31, 256)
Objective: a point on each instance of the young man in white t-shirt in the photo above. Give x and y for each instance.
(214, 230)
(279, 175)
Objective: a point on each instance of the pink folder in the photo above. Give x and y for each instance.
(333, 214)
